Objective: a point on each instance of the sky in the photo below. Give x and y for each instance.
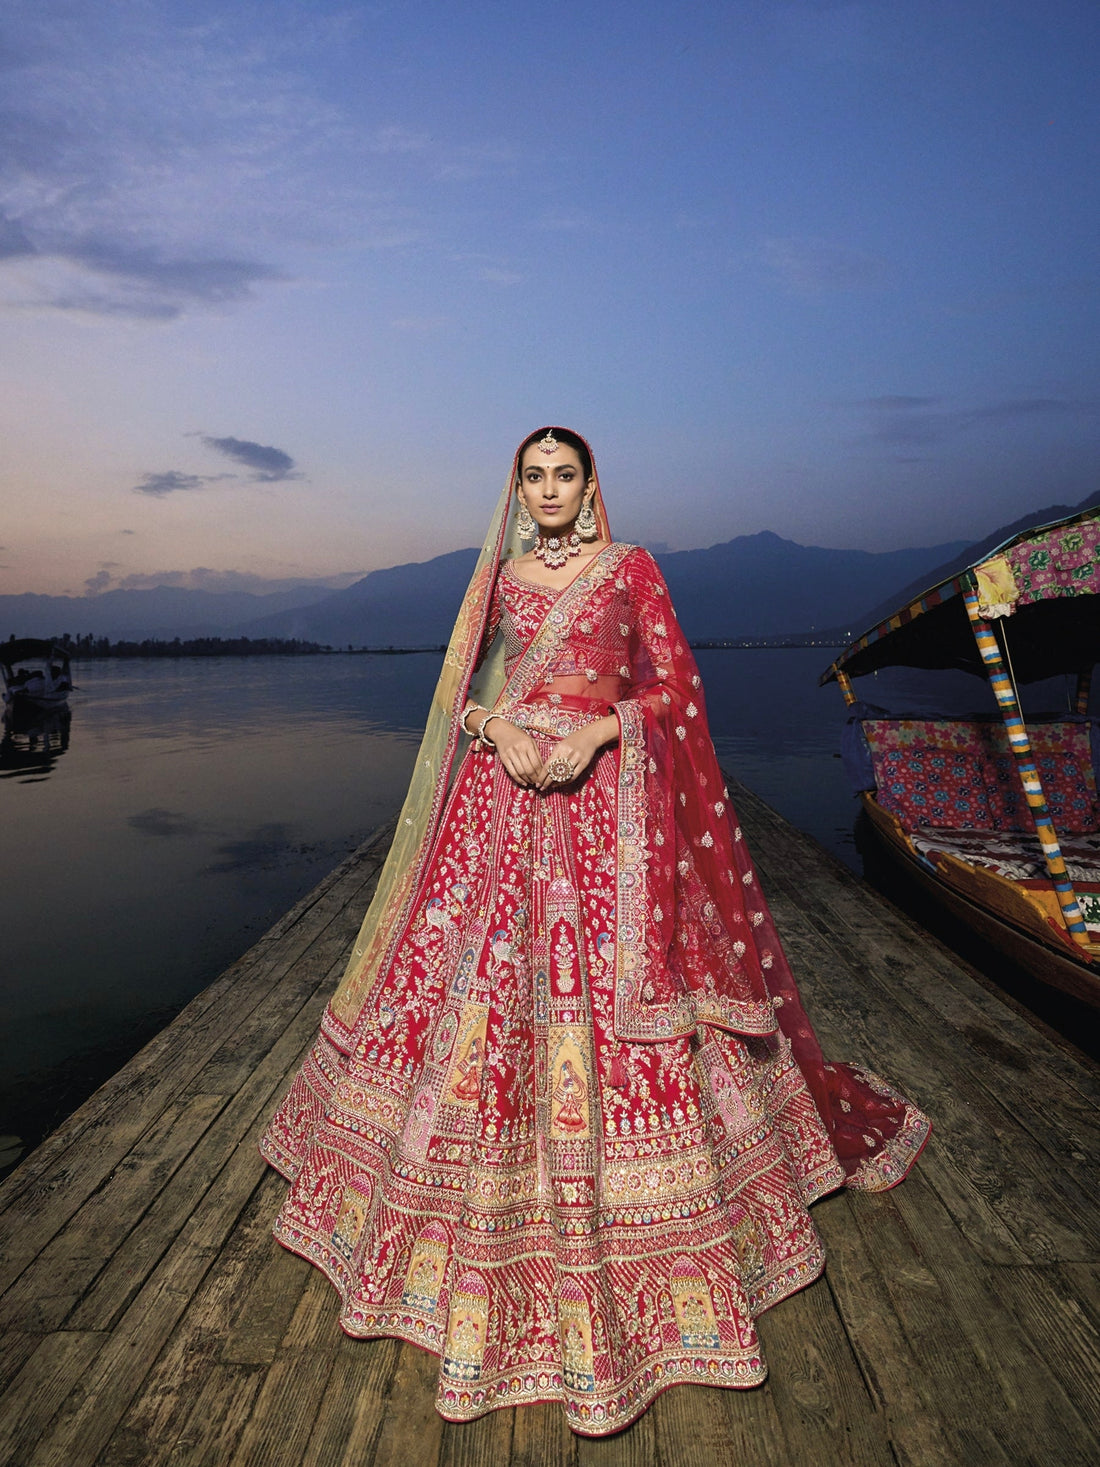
(282, 284)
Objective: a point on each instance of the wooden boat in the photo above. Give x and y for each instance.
(34, 672)
(997, 817)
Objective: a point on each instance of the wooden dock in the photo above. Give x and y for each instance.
(148, 1317)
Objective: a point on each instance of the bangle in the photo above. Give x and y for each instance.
(464, 715)
(482, 741)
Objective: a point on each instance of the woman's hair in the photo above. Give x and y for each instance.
(567, 439)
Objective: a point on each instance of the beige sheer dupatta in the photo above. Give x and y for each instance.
(418, 824)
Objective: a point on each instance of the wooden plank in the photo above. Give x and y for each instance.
(266, 1306)
(703, 1426)
(634, 1447)
(216, 1418)
(48, 1291)
(279, 1426)
(1049, 1216)
(409, 1413)
(1055, 1320)
(485, 1442)
(16, 1348)
(349, 1418)
(822, 1402)
(162, 1404)
(892, 1371)
(1034, 1415)
(148, 1323)
(239, 1123)
(541, 1438)
(50, 1374)
(950, 1376)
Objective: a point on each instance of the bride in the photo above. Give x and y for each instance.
(566, 1114)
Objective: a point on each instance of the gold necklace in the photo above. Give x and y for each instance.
(555, 550)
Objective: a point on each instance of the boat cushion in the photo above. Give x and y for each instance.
(1017, 855)
(928, 772)
(943, 787)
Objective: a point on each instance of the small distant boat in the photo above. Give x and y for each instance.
(995, 817)
(34, 673)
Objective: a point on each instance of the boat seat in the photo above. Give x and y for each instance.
(1016, 855)
(954, 774)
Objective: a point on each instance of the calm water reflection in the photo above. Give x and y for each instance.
(152, 836)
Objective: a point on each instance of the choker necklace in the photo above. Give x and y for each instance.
(555, 550)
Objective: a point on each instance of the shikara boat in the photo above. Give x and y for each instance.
(34, 673)
(996, 817)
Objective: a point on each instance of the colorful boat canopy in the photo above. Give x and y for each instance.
(1042, 585)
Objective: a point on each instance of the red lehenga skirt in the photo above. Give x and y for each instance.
(491, 1174)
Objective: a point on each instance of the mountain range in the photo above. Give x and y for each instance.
(753, 585)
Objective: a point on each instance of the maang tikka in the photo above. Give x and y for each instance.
(549, 444)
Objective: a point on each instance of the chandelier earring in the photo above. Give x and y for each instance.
(526, 528)
(586, 526)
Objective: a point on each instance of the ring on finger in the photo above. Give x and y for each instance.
(560, 770)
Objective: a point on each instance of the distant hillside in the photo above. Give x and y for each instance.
(763, 585)
(404, 605)
(163, 610)
(967, 556)
(755, 584)
(752, 585)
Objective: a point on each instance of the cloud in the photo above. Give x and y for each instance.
(154, 164)
(922, 420)
(106, 278)
(817, 266)
(172, 481)
(151, 165)
(203, 578)
(13, 239)
(271, 465)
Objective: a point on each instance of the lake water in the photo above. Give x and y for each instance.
(155, 832)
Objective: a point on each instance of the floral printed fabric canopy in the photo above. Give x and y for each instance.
(1032, 583)
(1063, 560)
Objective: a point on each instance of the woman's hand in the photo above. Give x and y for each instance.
(516, 750)
(578, 749)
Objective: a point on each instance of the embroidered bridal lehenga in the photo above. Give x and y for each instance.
(566, 1114)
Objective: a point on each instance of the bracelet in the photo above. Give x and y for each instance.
(482, 741)
(464, 715)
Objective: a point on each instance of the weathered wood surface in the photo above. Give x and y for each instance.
(148, 1318)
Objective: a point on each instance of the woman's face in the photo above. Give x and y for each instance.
(552, 486)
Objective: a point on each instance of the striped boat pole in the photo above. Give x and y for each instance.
(844, 683)
(1025, 765)
(1084, 685)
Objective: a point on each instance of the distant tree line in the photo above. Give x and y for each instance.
(89, 646)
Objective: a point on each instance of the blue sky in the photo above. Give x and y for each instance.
(282, 284)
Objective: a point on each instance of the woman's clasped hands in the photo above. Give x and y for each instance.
(567, 760)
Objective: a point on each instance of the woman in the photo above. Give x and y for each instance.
(566, 1114)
